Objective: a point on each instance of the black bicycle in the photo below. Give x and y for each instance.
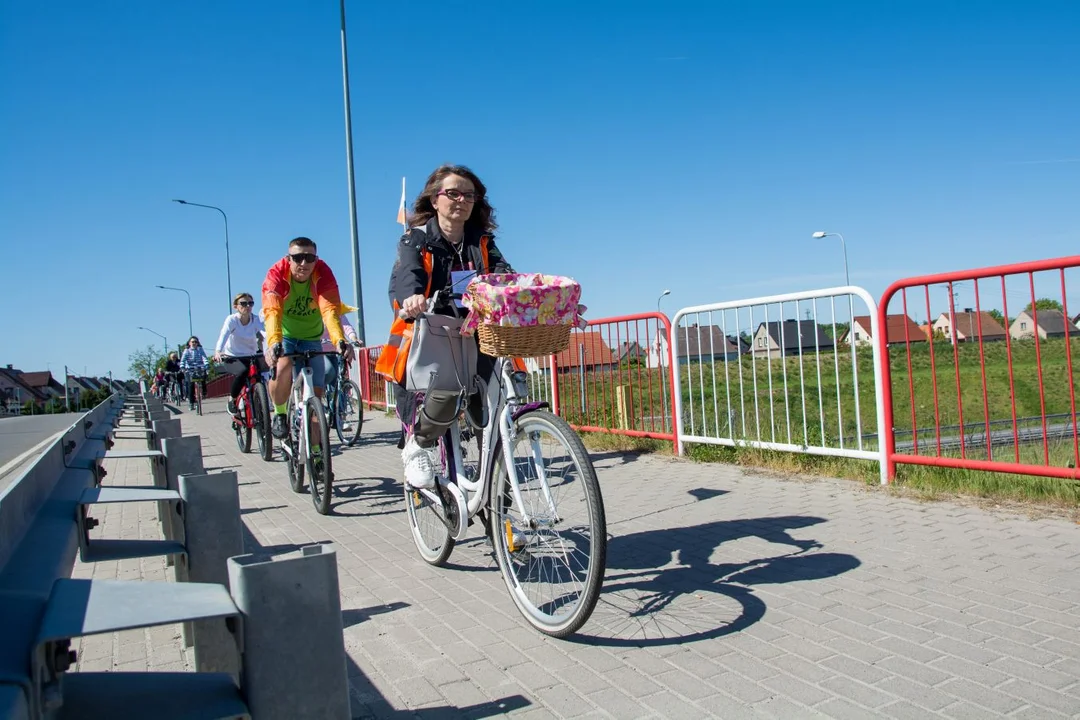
(344, 405)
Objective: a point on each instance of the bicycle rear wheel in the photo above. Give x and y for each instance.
(320, 472)
(554, 564)
(349, 412)
(260, 418)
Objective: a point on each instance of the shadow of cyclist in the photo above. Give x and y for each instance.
(673, 591)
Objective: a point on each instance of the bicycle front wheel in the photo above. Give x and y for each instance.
(198, 398)
(349, 410)
(242, 425)
(291, 447)
(552, 551)
(426, 520)
(320, 473)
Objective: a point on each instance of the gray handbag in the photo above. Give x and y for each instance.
(441, 358)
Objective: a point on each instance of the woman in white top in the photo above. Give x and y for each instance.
(239, 342)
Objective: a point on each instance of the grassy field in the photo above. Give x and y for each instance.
(916, 382)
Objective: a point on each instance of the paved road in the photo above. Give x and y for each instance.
(19, 434)
(728, 594)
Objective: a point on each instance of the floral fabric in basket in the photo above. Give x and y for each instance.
(522, 300)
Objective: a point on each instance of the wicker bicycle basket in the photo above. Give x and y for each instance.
(525, 342)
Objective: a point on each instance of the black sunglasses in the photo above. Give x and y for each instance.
(301, 258)
(245, 303)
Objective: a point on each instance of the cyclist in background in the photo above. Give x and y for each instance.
(173, 372)
(194, 363)
(333, 362)
(239, 338)
(300, 299)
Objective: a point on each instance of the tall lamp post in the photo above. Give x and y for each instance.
(228, 266)
(166, 287)
(357, 289)
(163, 338)
(851, 331)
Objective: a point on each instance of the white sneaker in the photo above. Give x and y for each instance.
(346, 427)
(419, 465)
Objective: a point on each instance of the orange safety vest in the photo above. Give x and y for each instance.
(395, 353)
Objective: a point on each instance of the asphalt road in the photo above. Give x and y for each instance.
(19, 434)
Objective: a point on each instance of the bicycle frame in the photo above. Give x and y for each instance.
(501, 413)
(302, 389)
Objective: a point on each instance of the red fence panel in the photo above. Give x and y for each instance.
(372, 385)
(219, 386)
(976, 387)
(611, 378)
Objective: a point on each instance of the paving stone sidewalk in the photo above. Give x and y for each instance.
(728, 594)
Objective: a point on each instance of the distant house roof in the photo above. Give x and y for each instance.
(631, 350)
(40, 379)
(595, 351)
(969, 323)
(705, 341)
(895, 328)
(1051, 321)
(14, 377)
(797, 334)
(90, 382)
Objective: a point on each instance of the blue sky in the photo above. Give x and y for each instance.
(634, 146)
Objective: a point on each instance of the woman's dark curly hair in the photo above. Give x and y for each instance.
(483, 215)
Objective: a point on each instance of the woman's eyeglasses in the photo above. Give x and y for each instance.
(459, 196)
(245, 303)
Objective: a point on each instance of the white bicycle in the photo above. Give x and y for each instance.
(306, 411)
(530, 479)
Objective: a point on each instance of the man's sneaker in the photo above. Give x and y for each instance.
(231, 406)
(346, 427)
(419, 465)
(280, 426)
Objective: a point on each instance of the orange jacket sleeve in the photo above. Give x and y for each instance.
(328, 298)
(274, 291)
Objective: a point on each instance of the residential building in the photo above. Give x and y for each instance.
(790, 337)
(970, 325)
(44, 383)
(899, 329)
(587, 349)
(1050, 324)
(697, 343)
(14, 392)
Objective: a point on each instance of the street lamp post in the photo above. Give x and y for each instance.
(851, 331)
(357, 289)
(166, 287)
(228, 266)
(163, 338)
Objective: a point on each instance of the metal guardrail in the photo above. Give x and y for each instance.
(761, 394)
(247, 617)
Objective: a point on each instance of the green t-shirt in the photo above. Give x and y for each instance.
(301, 319)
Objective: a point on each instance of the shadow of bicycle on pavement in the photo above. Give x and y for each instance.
(371, 496)
(671, 586)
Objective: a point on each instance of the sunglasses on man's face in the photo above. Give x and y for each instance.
(301, 258)
(245, 303)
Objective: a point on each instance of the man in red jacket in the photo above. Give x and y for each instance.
(300, 299)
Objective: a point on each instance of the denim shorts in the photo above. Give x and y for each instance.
(318, 367)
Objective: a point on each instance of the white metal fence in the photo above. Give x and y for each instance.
(779, 373)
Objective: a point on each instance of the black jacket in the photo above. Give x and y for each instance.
(409, 278)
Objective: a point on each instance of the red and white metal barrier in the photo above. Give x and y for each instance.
(977, 388)
(777, 373)
(611, 379)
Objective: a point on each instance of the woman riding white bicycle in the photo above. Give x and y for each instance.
(517, 467)
(451, 238)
